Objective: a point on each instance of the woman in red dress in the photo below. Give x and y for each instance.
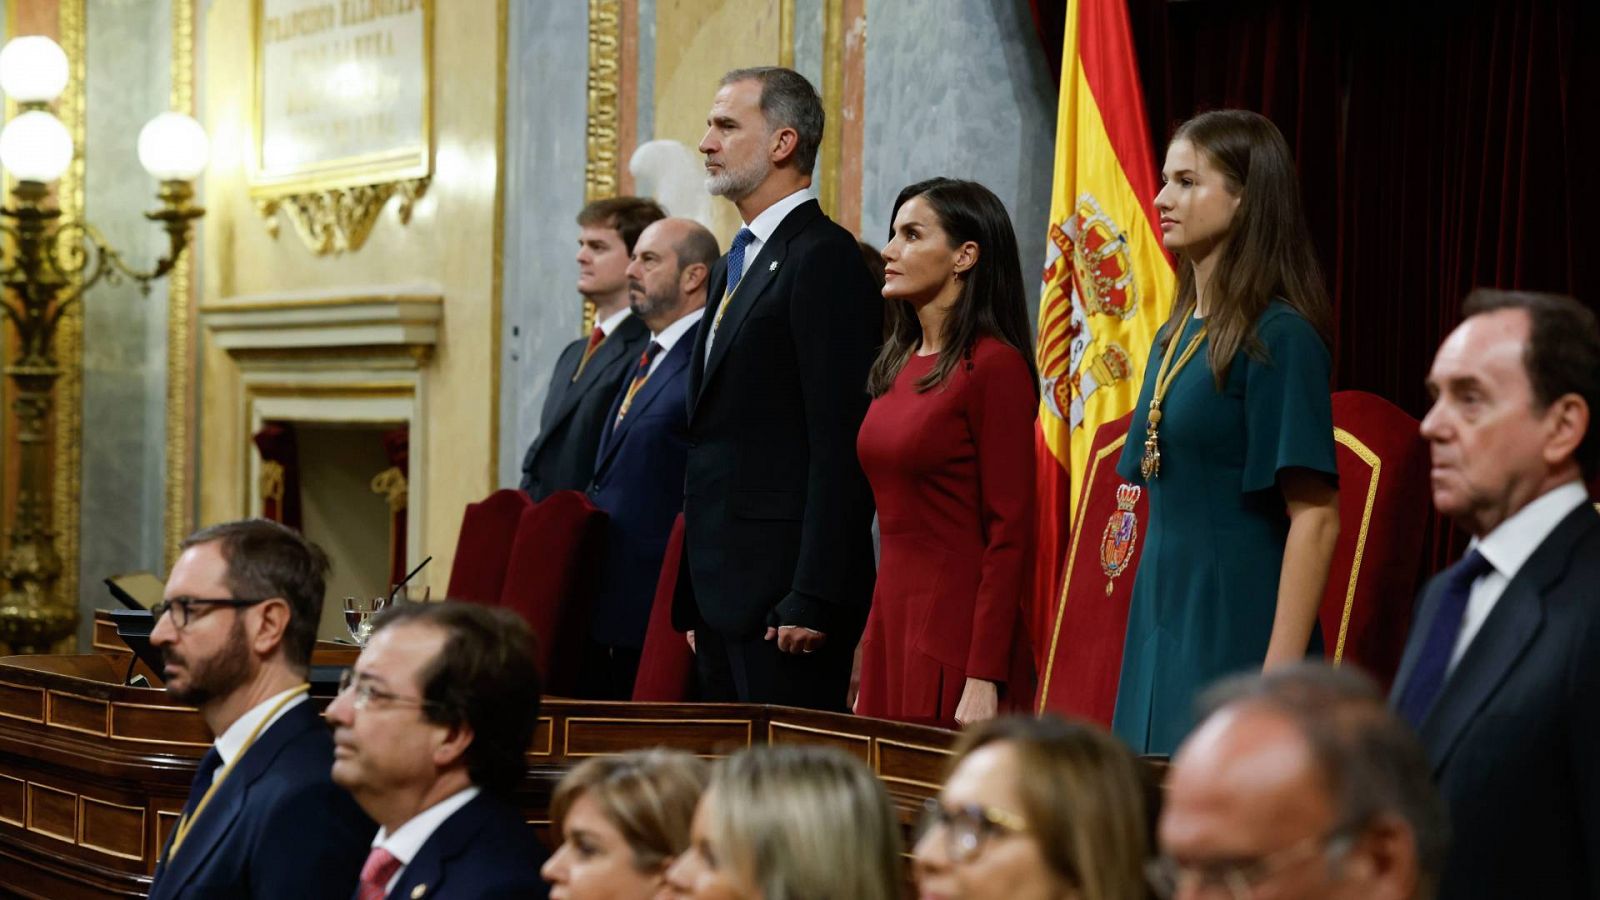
(948, 447)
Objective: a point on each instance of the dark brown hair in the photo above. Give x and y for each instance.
(1084, 796)
(627, 216)
(1562, 356)
(1267, 253)
(991, 302)
(265, 560)
(484, 677)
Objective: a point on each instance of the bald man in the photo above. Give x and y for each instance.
(1301, 784)
(644, 448)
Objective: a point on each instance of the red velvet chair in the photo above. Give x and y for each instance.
(551, 578)
(1383, 509)
(666, 665)
(1084, 656)
(483, 546)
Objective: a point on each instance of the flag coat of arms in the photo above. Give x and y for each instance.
(1108, 285)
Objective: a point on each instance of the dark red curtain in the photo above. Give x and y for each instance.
(280, 472)
(1441, 146)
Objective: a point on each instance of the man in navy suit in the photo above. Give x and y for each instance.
(235, 629)
(644, 447)
(430, 728)
(777, 513)
(590, 369)
(1501, 673)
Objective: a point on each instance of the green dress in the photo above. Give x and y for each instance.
(1207, 586)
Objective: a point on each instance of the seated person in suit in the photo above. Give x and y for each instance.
(430, 728)
(590, 369)
(622, 820)
(1300, 783)
(644, 447)
(235, 629)
(1501, 671)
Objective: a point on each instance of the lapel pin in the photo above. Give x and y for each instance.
(773, 267)
(418, 891)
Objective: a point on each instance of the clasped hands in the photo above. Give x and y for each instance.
(796, 638)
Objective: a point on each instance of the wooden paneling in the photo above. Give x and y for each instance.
(53, 812)
(84, 714)
(22, 702)
(158, 724)
(704, 737)
(13, 800)
(112, 827)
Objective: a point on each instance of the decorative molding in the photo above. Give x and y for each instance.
(316, 323)
(178, 519)
(338, 220)
(68, 468)
(833, 103)
(604, 88)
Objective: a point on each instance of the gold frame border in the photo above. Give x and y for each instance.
(602, 163)
(178, 517)
(68, 456)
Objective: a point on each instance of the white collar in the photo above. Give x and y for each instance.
(1510, 544)
(409, 838)
(610, 323)
(231, 741)
(765, 223)
(670, 334)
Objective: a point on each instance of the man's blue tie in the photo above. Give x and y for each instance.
(1427, 677)
(736, 257)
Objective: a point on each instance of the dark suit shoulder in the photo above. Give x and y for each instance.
(484, 849)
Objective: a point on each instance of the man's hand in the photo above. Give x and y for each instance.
(796, 639)
(980, 700)
(690, 636)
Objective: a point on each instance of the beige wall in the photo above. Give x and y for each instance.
(450, 242)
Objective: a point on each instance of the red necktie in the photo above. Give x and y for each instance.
(596, 338)
(381, 866)
(641, 374)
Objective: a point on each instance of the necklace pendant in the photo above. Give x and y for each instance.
(1150, 463)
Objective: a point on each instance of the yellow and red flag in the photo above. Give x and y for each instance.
(1108, 283)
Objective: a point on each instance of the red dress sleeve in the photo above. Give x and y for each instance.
(1001, 412)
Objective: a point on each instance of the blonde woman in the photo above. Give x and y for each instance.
(791, 823)
(622, 820)
(1036, 809)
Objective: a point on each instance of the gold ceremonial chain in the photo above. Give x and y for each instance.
(1150, 464)
(182, 831)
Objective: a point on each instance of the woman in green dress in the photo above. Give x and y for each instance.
(1232, 438)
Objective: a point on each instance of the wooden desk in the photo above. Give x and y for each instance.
(94, 774)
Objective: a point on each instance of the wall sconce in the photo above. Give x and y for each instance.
(48, 265)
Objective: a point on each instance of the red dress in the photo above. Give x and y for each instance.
(952, 473)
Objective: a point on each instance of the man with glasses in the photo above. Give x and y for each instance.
(1300, 783)
(430, 728)
(235, 630)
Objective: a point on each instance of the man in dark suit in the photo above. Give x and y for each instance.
(235, 629)
(644, 447)
(1501, 673)
(430, 728)
(778, 543)
(591, 368)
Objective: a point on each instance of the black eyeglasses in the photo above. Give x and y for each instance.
(182, 608)
(365, 693)
(967, 827)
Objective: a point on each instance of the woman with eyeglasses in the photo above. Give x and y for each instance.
(622, 820)
(1036, 809)
(791, 823)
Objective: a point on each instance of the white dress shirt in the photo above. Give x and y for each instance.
(231, 741)
(670, 335)
(761, 229)
(1506, 548)
(409, 838)
(610, 323)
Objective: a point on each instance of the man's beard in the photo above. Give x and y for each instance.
(216, 676)
(738, 183)
(646, 305)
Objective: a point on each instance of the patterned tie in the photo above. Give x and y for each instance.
(641, 374)
(1428, 676)
(596, 338)
(735, 274)
(380, 867)
(197, 789)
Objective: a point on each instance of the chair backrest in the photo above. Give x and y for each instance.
(551, 578)
(483, 546)
(1383, 512)
(666, 666)
(1084, 656)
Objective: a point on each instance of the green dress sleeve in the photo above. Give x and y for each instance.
(1288, 407)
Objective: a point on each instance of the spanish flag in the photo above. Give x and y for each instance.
(1108, 283)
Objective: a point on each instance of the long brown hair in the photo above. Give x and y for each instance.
(1267, 253)
(991, 301)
